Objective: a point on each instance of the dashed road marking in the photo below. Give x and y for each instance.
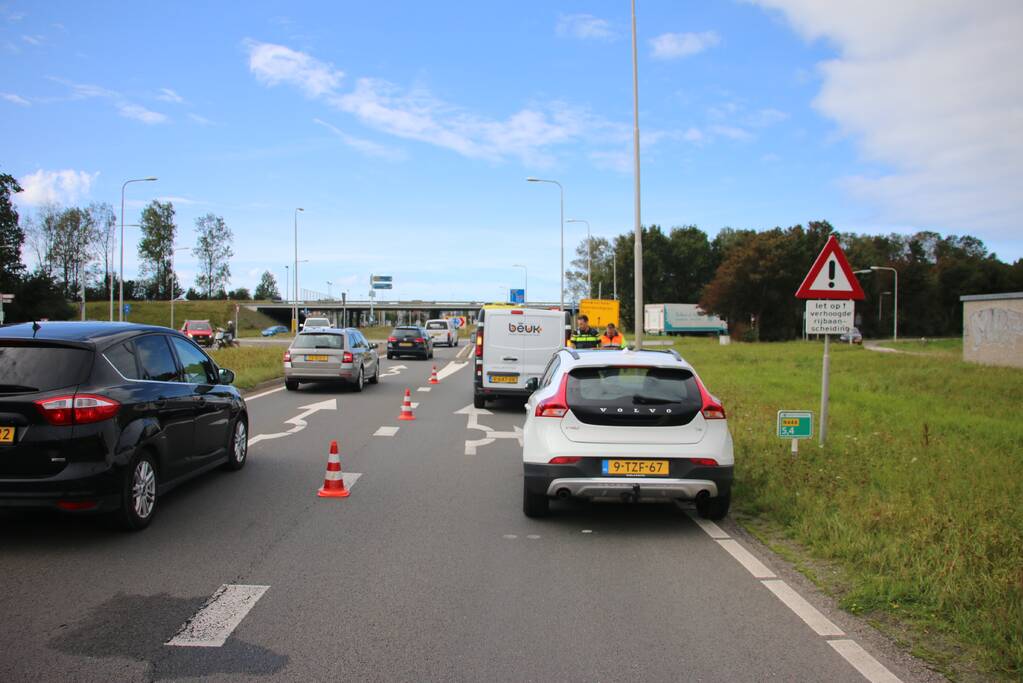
(532, 537)
(587, 531)
(219, 617)
(264, 393)
(386, 431)
(871, 669)
(746, 559)
(510, 536)
(820, 624)
(423, 389)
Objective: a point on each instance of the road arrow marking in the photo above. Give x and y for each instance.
(471, 446)
(299, 421)
(394, 370)
(472, 422)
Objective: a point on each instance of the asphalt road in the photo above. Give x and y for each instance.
(428, 571)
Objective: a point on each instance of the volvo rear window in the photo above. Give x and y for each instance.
(319, 341)
(26, 369)
(634, 396)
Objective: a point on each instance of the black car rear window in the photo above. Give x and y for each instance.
(26, 368)
(634, 396)
(319, 341)
(406, 332)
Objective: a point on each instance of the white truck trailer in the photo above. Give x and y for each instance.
(681, 319)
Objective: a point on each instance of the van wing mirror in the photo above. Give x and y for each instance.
(532, 384)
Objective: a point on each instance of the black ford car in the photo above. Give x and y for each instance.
(107, 417)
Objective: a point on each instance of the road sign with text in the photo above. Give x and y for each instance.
(795, 424)
(829, 316)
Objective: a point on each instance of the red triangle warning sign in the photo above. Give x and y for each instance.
(830, 277)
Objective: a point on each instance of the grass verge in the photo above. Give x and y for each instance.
(250, 364)
(914, 500)
(158, 313)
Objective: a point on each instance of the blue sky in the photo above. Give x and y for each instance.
(406, 129)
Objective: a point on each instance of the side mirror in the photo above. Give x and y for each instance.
(226, 376)
(376, 345)
(532, 384)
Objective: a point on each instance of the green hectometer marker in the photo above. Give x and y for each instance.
(795, 424)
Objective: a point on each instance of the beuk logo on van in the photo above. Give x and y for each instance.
(523, 328)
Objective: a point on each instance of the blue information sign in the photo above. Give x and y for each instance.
(517, 296)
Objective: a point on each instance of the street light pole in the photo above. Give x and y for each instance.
(172, 281)
(895, 301)
(525, 286)
(589, 255)
(638, 247)
(294, 312)
(561, 299)
(120, 287)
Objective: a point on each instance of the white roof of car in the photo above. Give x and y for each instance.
(602, 357)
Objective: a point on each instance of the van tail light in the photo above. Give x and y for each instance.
(564, 460)
(712, 408)
(556, 405)
(347, 357)
(479, 343)
(287, 356)
(79, 409)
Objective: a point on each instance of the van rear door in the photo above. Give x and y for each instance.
(517, 343)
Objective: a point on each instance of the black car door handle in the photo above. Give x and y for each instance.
(160, 401)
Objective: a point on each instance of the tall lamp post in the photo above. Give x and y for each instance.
(120, 287)
(172, 280)
(589, 255)
(561, 299)
(525, 285)
(895, 297)
(294, 310)
(638, 247)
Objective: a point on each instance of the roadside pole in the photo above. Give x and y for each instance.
(825, 388)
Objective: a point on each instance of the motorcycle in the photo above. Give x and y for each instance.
(223, 339)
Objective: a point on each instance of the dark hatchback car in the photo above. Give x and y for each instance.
(107, 417)
(409, 340)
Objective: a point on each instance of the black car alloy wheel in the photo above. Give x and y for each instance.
(238, 448)
(138, 504)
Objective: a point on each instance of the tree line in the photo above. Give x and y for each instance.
(750, 277)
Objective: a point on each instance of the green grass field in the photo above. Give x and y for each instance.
(915, 504)
(158, 313)
(938, 347)
(251, 364)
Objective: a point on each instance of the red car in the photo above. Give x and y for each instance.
(199, 331)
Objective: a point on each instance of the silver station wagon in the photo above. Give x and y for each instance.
(327, 354)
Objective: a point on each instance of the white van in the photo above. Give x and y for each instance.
(513, 344)
(442, 331)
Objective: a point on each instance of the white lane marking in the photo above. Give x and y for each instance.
(349, 478)
(587, 531)
(533, 536)
(214, 622)
(465, 351)
(386, 431)
(821, 625)
(873, 670)
(423, 389)
(449, 369)
(393, 370)
(471, 446)
(263, 393)
(746, 559)
(510, 536)
(298, 421)
(472, 422)
(712, 529)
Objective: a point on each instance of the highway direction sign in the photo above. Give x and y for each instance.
(795, 424)
(517, 296)
(829, 316)
(381, 281)
(830, 277)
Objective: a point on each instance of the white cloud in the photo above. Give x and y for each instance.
(677, 45)
(585, 27)
(14, 99)
(140, 113)
(33, 40)
(276, 64)
(367, 147)
(933, 93)
(168, 95)
(731, 132)
(201, 120)
(59, 187)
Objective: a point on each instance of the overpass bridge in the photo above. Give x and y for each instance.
(360, 313)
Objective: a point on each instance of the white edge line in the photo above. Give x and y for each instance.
(263, 393)
(746, 559)
(820, 624)
(871, 669)
(712, 529)
(218, 617)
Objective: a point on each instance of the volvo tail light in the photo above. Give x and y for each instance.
(79, 409)
(704, 462)
(564, 460)
(712, 408)
(556, 405)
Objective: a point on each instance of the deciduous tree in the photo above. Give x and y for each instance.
(213, 250)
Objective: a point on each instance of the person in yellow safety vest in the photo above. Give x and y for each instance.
(585, 337)
(612, 337)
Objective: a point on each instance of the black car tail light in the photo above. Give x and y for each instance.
(78, 409)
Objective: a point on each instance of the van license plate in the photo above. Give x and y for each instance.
(504, 379)
(316, 359)
(635, 468)
(6, 434)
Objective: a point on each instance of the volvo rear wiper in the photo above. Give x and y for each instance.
(649, 400)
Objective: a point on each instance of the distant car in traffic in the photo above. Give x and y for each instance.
(316, 321)
(108, 417)
(326, 354)
(274, 329)
(199, 331)
(409, 340)
(442, 331)
(853, 335)
(628, 426)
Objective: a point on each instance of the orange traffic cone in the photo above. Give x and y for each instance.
(333, 480)
(406, 407)
(433, 376)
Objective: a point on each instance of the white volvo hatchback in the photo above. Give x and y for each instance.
(625, 425)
